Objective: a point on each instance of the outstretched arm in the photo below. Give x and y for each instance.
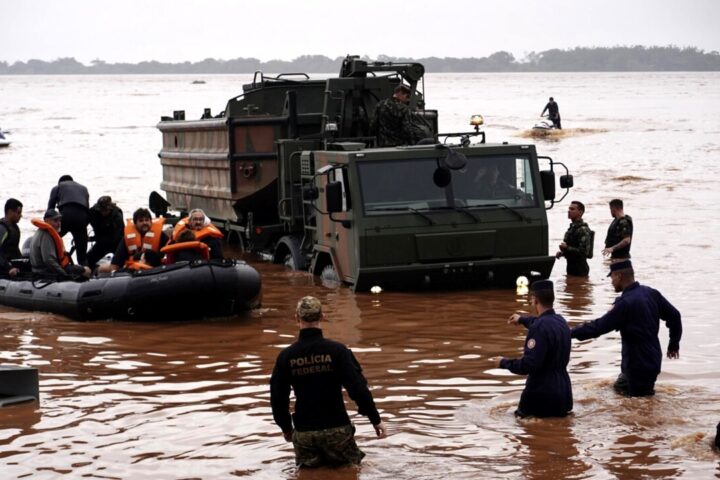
(612, 320)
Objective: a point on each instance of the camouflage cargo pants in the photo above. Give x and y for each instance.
(329, 447)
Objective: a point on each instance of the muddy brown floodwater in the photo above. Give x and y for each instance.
(171, 400)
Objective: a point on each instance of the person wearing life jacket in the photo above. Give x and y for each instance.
(204, 231)
(186, 249)
(140, 246)
(47, 250)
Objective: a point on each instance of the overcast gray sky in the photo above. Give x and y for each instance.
(178, 30)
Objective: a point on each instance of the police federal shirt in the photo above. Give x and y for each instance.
(317, 368)
(548, 391)
(636, 313)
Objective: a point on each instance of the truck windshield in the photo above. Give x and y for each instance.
(394, 186)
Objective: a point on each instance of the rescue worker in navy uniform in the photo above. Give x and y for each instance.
(548, 391)
(204, 231)
(10, 237)
(73, 201)
(636, 313)
(47, 251)
(141, 243)
(394, 123)
(619, 234)
(107, 222)
(576, 243)
(316, 369)
(553, 113)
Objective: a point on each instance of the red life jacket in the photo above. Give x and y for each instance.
(208, 230)
(135, 242)
(62, 255)
(196, 246)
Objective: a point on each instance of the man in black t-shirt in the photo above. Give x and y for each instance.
(619, 235)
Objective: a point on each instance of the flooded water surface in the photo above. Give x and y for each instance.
(171, 399)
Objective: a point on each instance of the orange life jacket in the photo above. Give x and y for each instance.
(135, 242)
(196, 246)
(63, 257)
(208, 230)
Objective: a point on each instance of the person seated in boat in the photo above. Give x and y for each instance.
(47, 250)
(140, 247)
(10, 238)
(186, 249)
(108, 224)
(204, 231)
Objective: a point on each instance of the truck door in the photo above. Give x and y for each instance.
(342, 238)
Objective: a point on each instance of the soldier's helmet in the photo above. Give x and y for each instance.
(309, 309)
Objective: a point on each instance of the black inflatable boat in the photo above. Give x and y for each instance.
(172, 292)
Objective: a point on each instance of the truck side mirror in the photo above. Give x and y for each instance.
(566, 181)
(333, 197)
(547, 178)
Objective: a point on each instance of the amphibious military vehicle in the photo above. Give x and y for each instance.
(291, 166)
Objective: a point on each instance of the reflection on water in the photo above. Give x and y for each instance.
(190, 400)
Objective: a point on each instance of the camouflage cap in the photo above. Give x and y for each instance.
(309, 309)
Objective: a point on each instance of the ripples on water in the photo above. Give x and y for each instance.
(190, 400)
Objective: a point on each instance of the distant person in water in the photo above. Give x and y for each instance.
(553, 113)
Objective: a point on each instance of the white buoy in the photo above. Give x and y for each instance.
(376, 289)
(522, 281)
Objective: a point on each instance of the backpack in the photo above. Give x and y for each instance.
(591, 246)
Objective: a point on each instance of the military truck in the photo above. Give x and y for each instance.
(291, 166)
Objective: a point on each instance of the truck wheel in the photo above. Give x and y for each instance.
(287, 252)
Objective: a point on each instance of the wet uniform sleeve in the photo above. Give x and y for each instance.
(625, 228)
(356, 386)
(280, 396)
(527, 322)
(672, 319)
(4, 261)
(533, 355)
(612, 320)
(52, 202)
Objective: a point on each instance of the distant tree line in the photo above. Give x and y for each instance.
(580, 59)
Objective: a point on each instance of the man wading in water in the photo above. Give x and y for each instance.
(316, 369)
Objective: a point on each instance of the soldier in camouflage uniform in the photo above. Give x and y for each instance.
(576, 244)
(619, 235)
(393, 122)
(317, 369)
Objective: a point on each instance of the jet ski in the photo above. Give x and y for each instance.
(544, 125)
(4, 142)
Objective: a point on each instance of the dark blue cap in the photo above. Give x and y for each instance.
(624, 265)
(541, 285)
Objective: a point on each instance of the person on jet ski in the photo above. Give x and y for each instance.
(553, 113)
